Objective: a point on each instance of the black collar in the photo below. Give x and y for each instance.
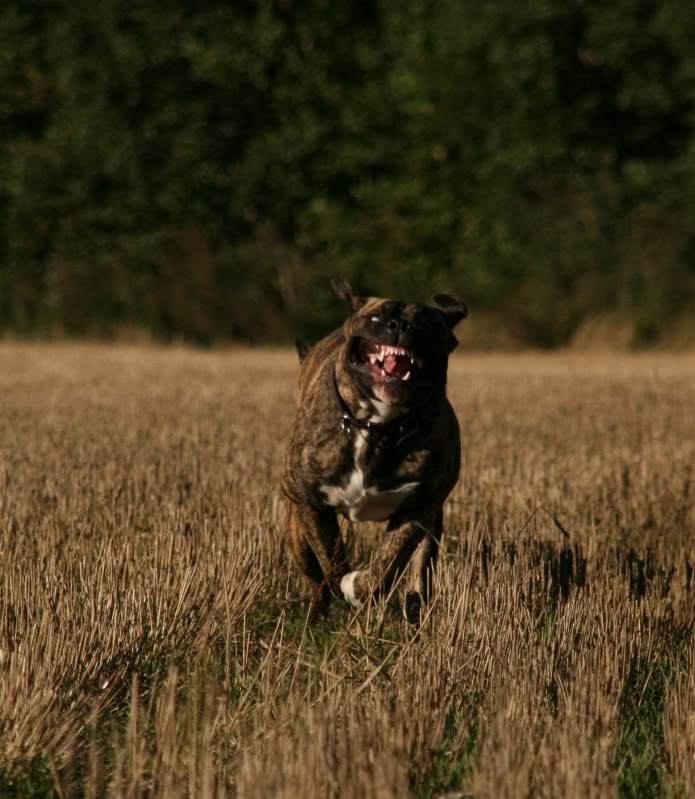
(404, 426)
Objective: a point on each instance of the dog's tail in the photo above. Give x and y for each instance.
(302, 349)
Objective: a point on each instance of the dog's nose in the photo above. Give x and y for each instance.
(399, 325)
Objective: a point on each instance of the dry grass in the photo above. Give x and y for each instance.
(152, 643)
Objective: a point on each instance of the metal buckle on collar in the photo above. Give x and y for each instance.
(346, 425)
(347, 422)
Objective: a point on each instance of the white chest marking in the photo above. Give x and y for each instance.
(363, 503)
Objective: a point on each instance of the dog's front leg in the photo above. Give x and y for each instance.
(402, 539)
(422, 567)
(318, 549)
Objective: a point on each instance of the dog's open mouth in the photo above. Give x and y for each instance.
(386, 362)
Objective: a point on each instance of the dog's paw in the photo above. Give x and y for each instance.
(318, 604)
(412, 607)
(347, 586)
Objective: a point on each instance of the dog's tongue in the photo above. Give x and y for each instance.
(397, 365)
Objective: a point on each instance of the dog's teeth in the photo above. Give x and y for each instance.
(385, 350)
(406, 376)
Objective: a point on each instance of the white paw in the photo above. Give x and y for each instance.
(347, 586)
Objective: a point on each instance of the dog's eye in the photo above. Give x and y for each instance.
(375, 319)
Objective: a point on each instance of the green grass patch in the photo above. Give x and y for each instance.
(456, 755)
(640, 752)
(35, 781)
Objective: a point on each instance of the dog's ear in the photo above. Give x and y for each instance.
(343, 290)
(302, 349)
(454, 311)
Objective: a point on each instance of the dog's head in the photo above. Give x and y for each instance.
(397, 352)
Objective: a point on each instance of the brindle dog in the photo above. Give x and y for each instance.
(375, 439)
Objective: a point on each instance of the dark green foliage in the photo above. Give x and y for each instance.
(201, 169)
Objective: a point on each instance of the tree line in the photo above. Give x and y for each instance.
(201, 169)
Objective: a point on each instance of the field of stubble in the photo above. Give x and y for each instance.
(152, 638)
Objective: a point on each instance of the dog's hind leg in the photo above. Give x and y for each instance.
(317, 547)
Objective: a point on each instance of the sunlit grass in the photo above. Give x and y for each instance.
(153, 635)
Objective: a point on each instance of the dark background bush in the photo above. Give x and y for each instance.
(200, 169)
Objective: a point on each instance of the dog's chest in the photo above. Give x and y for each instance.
(359, 498)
